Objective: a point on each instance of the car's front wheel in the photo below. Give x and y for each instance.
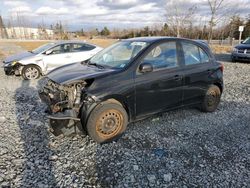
(211, 99)
(31, 72)
(107, 122)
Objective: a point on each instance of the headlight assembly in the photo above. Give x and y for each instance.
(235, 50)
(13, 63)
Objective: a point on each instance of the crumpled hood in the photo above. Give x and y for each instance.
(18, 57)
(76, 71)
(243, 46)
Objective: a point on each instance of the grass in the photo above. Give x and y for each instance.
(1, 55)
(218, 49)
(102, 42)
(30, 45)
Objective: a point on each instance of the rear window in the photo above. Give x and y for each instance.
(194, 54)
(82, 47)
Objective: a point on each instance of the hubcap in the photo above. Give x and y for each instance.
(31, 73)
(109, 123)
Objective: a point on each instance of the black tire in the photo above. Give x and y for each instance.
(32, 75)
(233, 59)
(211, 99)
(107, 122)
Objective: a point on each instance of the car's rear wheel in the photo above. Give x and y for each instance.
(211, 99)
(31, 72)
(107, 122)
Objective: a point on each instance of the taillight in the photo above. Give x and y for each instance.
(221, 67)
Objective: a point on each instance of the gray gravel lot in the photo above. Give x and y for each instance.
(182, 148)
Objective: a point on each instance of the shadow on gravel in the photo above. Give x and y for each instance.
(226, 58)
(223, 57)
(36, 165)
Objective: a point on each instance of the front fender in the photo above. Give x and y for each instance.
(38, 62)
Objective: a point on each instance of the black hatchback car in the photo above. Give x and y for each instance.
(131, 80)
(241, 52)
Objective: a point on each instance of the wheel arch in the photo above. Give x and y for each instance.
(117, 99)
(33, 64)
(220, 85)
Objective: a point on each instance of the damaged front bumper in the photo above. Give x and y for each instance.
(13, 68)
(64, 103)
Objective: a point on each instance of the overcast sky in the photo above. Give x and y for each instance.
(97, 13)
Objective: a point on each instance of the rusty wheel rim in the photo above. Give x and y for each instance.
(109, 123)
(212, 98)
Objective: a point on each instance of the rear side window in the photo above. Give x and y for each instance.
(194, 54)
(82, 47)
(163, 56)
(204, 56)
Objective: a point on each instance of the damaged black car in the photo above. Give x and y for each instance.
(131, 80)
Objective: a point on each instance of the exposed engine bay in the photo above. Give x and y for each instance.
(60, 97)
(64, 103)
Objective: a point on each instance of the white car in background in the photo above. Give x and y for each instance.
(40, 61)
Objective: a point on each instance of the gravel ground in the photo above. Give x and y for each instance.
(182, 148)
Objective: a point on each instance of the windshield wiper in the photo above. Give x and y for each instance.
(31, 51)
(85, 62)
(95, 64)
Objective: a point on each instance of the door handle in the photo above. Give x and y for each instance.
(177, 77)
(68, 56)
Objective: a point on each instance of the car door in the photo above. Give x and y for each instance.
(60, 55)
(160, 89)
(82, 51)
(197, 70)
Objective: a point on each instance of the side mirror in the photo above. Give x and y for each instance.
(48, 52)
(145, 67)
(241, 42)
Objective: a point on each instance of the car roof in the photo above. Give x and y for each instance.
(148, 39)
(70, 42)
(162, 38)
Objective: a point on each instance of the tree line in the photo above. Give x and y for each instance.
(228, 30)
(220, 21)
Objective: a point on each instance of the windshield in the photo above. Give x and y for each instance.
(247, 41)
(42, 48)
(118, 55)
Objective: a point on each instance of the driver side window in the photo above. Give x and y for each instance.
(163, 56)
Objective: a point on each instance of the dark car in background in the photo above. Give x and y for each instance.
(241, 52)
(129, 81)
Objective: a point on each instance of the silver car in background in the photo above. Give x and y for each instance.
(32, 64)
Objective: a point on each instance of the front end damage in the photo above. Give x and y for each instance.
(12, 68)
(65, 104)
